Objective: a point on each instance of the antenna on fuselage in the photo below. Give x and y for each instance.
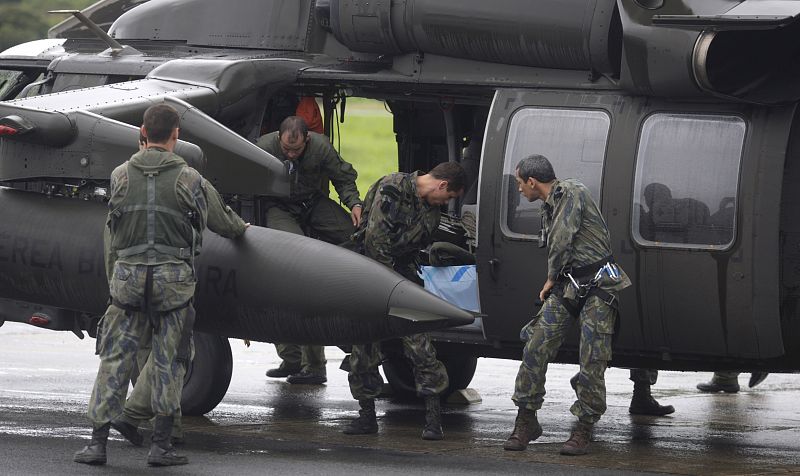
(114, 45)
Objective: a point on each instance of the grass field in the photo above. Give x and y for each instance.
(367, 142)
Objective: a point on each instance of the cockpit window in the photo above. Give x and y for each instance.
(687, 175)
(574, 141)
(9, 82)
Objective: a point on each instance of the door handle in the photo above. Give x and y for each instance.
(494, 263)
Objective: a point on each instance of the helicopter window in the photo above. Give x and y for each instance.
(687, 175)
(68, 82)
(574, 141)
(8, 82)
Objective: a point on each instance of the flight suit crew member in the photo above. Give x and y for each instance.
(401, 212)
(312, 162)
(579, 248)
(158, 209)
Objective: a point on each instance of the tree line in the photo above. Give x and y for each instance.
(26, 20)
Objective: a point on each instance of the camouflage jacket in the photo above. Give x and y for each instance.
(311, 171)
(195, 196)
(576, 232)
(396, 223)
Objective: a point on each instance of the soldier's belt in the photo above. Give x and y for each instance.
(580, 273)
(129, 308)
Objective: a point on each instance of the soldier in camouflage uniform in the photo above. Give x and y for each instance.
(158, 209)
(138, 407)
(312, 162)
(579, 245)
(401, 213)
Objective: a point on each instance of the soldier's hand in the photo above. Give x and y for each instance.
(355, 215)
(546, 289)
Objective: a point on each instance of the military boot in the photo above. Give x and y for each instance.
(161, 451)
(578, 442)
(127, 429)
(366, 423)
(433, 419)
(526, 429)
(722, 381)
(643, 403)
(715, 386)
(95, 452)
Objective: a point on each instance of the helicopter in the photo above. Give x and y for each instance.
(680, 117)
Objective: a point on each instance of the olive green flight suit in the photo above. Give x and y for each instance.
(309, 211)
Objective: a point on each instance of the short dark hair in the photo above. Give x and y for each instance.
(536, 166)
(452, 172)
(294, 125)
(159, 121)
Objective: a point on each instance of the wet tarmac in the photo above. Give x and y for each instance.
(266, 426)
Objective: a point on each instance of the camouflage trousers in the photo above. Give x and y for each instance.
(544, 336)
(122, 332)
(430, 375)
(139, 406)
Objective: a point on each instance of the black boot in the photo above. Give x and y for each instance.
(161, 451)
(643, 403)
(526, 429)
(433, 419)
(95, 452)
(366, 423)
(127, 429)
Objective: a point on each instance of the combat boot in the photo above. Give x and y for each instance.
(283, 370)
(714, 387)
(127, 429)
(578, 442)
(95, 452)
(526, 429)
(433, 419)
(161, 451)
(643, 403)
(367, 421)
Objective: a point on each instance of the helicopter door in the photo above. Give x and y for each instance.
(572, 131)
(704, 227)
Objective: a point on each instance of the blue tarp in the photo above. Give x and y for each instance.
(457, 285)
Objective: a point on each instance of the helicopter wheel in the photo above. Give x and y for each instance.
(208, 375)
(397, 368)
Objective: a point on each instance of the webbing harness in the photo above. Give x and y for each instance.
(585, 280)
(151, 208)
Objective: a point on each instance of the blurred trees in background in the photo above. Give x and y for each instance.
(26, 20)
